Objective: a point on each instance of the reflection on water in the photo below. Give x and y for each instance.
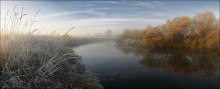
(188, 62)
(121, 67)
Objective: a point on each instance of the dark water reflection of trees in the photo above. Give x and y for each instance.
(188, 62)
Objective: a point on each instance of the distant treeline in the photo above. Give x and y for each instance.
(198, 32)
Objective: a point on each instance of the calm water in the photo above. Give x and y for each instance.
(119, 67)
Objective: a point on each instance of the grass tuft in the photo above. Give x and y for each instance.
(32, 60)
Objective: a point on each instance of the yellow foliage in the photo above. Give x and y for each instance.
(200, 31)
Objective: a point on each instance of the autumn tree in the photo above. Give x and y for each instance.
(204, 24)
(198, 32)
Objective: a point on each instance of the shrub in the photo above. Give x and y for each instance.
(198, 32)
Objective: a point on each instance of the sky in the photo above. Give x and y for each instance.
(95, 17)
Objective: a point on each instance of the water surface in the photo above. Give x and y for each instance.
(119, 67)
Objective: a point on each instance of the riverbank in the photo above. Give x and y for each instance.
(31, 61)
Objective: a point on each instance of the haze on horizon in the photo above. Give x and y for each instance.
(92, 17)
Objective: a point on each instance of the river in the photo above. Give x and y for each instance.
(124, 68)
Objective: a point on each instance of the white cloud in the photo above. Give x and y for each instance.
(147, 3)
(85, 5)
(143, 4)
(104, 8)
(111, 21)
(90, 11)
(106, 2)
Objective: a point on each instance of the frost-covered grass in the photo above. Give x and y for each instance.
(32, 60)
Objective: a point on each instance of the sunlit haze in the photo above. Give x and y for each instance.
(95, 17)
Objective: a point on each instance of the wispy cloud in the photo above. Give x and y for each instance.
(90, 11)
(115, 20)
(107, 21)
(143, 4)
(144, 14)
(84, 5)
(104, 8)
(106, 2)
(154, 14)
(147, 3)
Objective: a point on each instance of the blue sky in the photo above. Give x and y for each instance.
(92, 17)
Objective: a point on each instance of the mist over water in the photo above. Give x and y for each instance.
(125, 44)
(120, 67)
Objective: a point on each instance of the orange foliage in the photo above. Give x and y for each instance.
(200, 31)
